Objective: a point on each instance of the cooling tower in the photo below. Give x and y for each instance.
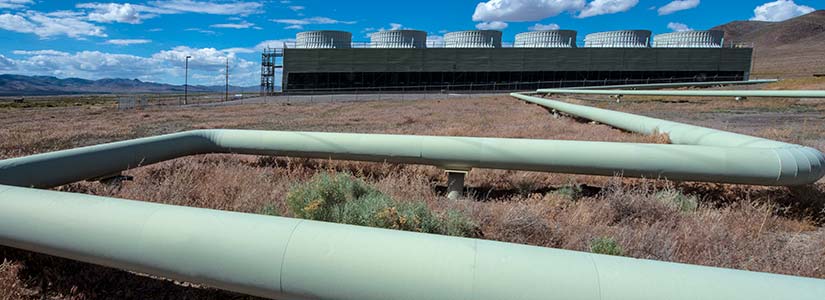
(399, 39)
(473, 39)
(546, 39)
(323, 39)
(690, 39)
(618, 39)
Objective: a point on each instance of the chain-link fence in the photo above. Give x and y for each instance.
(392, 93)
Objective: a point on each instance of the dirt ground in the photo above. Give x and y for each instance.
(769, 229)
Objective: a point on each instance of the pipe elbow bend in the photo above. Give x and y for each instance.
(800, 165)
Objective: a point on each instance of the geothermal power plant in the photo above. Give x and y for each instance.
(403, 59)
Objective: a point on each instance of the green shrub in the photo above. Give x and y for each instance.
(607, 246)
(270, 210)
(682, 202)
(340, 198)
(571, 191)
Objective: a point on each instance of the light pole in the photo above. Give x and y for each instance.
(186, 81)
(226, 96)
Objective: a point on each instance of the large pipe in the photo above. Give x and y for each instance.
(653, 86)
(294, 259)
(299, 259)
(772, 163)
(693, 93)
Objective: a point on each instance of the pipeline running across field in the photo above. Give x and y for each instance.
(286, 258)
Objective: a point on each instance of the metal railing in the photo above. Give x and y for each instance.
(512, 44)
(505, 86)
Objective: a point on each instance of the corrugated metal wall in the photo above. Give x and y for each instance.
(514, 59)
(359, 60)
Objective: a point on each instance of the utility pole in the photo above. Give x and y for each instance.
(186, 81)
(226, 96)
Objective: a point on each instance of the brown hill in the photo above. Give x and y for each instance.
(795, 47)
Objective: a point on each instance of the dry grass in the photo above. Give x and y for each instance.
(744, 227)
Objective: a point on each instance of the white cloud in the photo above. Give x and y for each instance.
(393, 26)
(299, 23)
(523, 10)
(534, 10)
(296, 7)
(50, 25)
(201, 57)
(273, 44)
(204, 31)
(6, 63)
(205, 66)
(86, 64)
(115, 12)
(40, 52)
(127, 42)
(678, 26)
(239, 25)
(236, 50)
(492, 25)
(14, 3)
(677, 5)
(779, 10)
(544, 27)
(606, 7)
(209, 7)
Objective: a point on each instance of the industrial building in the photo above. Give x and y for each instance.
(402, 60)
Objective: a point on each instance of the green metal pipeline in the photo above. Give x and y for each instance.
(693, 93)
(764, 162)
(648, 86)
(299, 259)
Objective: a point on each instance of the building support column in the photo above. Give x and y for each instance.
(455, 183)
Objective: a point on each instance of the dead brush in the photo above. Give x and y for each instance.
(735, 226)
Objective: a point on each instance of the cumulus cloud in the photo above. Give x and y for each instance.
(115, 12)
(127, 42)
(492, 25)
(534, 10)
(50, 25)
(779, 10)
(206, 65)
(606, 7)
(677, 5)
(14, 4)
(296, 8)
(544, 27)
(523, 10)
(299, 23)
(678, 26)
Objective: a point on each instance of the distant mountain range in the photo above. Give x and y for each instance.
(21, 85)
(792, 47)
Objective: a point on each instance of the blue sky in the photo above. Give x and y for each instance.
(148, 39)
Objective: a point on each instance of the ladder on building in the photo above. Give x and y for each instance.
(271, 60)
